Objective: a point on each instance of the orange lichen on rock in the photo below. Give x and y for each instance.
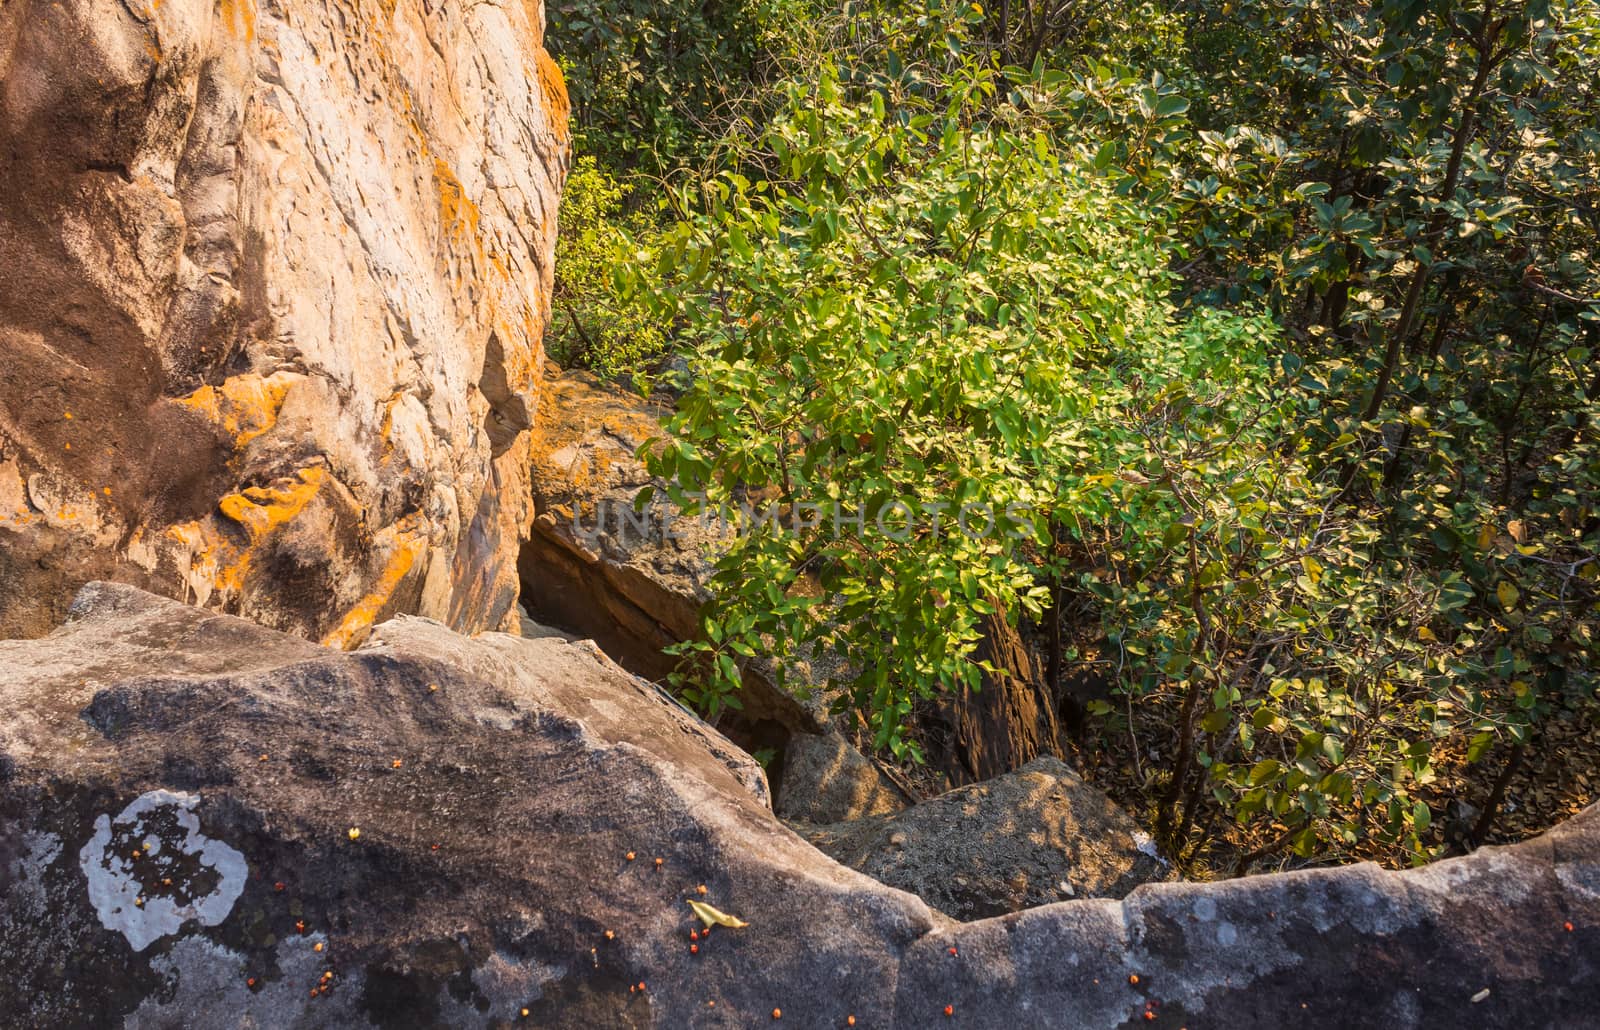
(459, 215)
(239, 17)
(262, 509)
(409, 545)
(212, 562)
(244, 406)
(554, 86)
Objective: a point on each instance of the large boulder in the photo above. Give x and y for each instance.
(824, 779)
(273, 277)
(200, 819)
(1017, 841)
(202, 823)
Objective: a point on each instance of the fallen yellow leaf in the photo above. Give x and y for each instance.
(709, 915)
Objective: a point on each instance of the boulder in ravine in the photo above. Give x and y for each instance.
(824, 779)
(273, 280)
(204, 823)
(1027, 838)
(634, 582)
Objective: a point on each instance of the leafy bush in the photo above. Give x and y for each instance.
(592, 325)
(933, 307)
(655, 83)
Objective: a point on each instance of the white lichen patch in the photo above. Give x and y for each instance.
(1146, 844)
(208, 985)
(150, 869)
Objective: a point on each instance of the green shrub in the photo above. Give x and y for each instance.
(592, 325)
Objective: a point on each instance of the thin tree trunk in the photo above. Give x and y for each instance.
(1497, 795)
(1167, 814)
(1398, 336)
(1011, 720)
(1487, 60)
(1396, 463)
(1053, 665)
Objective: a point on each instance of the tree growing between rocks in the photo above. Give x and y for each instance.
(1278, 319)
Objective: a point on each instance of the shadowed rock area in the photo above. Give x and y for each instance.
(180, 795)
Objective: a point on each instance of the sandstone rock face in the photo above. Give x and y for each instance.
(273, 276)
(181, 795)
(633, 584)
(1018, 841)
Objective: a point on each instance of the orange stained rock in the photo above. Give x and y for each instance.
(244, 406)
(458, 214)
(262, 509)
(220, 562)
(408, 547)
(238, 17)
(554, 86)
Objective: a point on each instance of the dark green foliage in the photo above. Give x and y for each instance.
(656, 83)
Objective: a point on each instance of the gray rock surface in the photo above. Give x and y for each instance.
(1017, 841)
(490, 865)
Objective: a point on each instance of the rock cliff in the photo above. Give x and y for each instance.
(273, 276)
(206, 823)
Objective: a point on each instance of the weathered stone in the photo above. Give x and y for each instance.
(1021, 840)
(273, 277)
(826, 780)
(635, 586)
(491, 863)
